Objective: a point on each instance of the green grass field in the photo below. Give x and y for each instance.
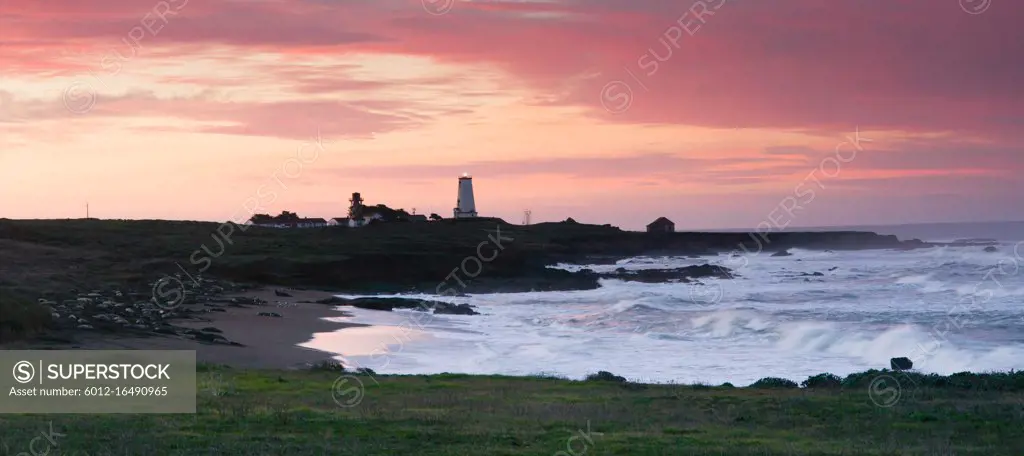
(315, 413)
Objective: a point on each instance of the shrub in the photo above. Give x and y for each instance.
(774, 382)
(822, 381)
(605, 376)
(327, 365)
(21, 318)
(862, 379)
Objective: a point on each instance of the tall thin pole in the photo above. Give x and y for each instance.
(86, 210)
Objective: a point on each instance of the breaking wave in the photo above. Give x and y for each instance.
(949, 309)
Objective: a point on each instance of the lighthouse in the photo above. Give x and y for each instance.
(465, 206)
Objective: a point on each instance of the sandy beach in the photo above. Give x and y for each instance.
(269, 342)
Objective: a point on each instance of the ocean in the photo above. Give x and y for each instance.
(949, 309)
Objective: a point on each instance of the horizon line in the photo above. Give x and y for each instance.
(751, 229)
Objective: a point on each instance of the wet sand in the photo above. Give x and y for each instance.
(270, 342)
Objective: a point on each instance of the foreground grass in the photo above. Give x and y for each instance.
(295, 413)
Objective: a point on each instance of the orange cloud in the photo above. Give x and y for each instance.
(736, 100)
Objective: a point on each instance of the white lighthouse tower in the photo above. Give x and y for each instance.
(465, 206)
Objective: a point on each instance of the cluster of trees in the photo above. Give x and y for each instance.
(283, 217)
(386, 213)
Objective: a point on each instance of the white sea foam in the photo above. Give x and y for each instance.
(936, 306)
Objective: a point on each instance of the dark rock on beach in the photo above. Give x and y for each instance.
(991, 249)
(455, 309)
(389, 304)
(531, 279)
(208, 337)
(901, 364)
(683, 274)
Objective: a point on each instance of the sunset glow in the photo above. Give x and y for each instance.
(606, 111)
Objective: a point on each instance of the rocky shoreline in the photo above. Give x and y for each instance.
(174, 299)
(449, 258)
(673, 275)
(389, 304)
(145, 314)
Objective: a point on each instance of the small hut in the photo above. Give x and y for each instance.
(661, 225)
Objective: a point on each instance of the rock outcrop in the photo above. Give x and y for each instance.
(682, 274)
(901, 364)
(389, 304)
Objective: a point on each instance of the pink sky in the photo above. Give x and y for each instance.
(711, 113)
